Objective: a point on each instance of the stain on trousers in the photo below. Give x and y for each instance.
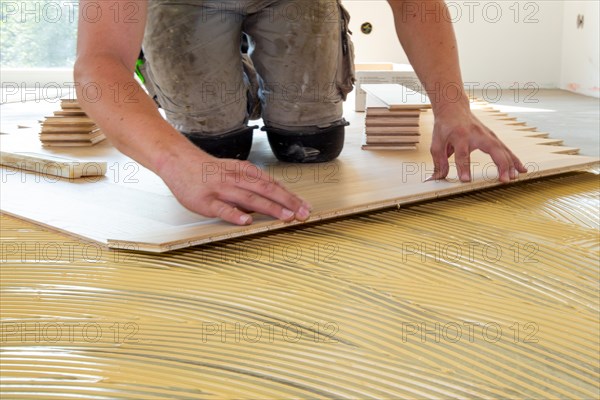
(301, 61)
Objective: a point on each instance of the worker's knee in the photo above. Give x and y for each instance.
(307, 144)
(235, 144)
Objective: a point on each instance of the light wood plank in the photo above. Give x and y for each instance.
(392, 130)
(388, 147)
(377, 139)
(386, 113)
(74, 143)
(134, 209)
(62, 121)
(414, 122)
(69, 104)
(52, 165)
(69, 113)
(49, 137)
(397, 97)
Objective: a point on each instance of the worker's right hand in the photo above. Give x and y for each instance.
(229, 189)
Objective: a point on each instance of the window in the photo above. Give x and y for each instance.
(38, 34)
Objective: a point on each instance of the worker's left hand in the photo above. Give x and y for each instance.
(457, 131)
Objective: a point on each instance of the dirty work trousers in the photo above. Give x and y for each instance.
(300, 50)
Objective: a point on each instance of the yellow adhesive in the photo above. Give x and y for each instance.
(364, 307)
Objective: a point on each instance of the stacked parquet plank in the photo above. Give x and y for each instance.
(391, 129)
(70, 127)
(392, 123)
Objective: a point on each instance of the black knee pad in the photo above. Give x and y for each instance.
(315, 145)
(235, 144)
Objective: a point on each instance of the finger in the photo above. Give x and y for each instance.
(503, 162)
(254, 179)
(462, 158)
(229, 213)
(282, 199)
(517, 164)
(242, 209)
(440, 163)
(253, 201)
(508, 164)
(514, 168)
(252, 174)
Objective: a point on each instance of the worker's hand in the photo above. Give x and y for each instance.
(457, 131)
(229, 189)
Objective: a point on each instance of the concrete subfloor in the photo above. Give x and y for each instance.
(565, 115)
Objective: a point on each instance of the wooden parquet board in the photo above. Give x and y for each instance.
(132, 208)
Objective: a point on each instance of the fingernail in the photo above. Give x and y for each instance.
(303, 213)
(465, 177)
(513, 173)
(245, 219)
(287, 214)
(307, 205)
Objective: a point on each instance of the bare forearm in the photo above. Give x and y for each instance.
(430, 44)
(108, 93)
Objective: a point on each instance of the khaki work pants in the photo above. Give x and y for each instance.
(300, 69)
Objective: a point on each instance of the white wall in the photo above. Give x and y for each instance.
(580, 64)
(528, 41)
(381, 45)
(501, 41)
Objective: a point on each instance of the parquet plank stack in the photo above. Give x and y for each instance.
(395, 124)
(70, 127)
(387, 129)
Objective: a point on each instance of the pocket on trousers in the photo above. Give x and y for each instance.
(346, 71)
(149, 84)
